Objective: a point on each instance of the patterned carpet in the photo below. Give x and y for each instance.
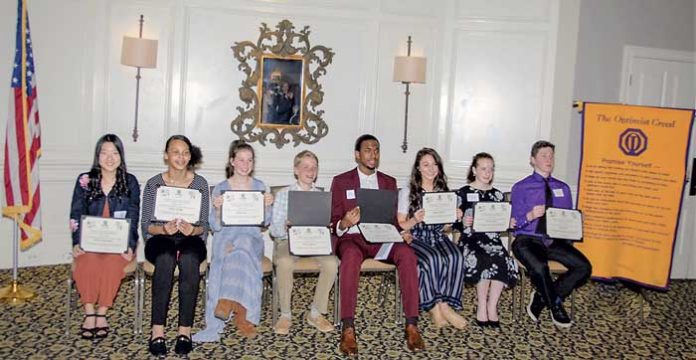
(608, 326)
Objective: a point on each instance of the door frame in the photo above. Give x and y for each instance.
(630, 53)
(687, 267)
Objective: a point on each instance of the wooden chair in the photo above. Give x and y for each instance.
(555, 268)
(146, 271)
(304, 265)
(456, 237)
(131, 273)
(308, 266)
(387, 271)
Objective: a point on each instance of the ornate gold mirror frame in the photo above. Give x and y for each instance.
(281, 102)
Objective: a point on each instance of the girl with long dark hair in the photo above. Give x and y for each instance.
(440, 263)
(107, 190)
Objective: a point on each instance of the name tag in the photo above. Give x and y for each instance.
(120, 214)
(350, 194)
(472, 197)
(558, 192)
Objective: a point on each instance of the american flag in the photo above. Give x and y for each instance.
(23, 139)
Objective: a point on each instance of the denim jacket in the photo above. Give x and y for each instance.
(130, 204)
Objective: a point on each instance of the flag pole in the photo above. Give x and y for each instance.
(15, 293)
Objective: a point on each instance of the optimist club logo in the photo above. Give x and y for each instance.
(633, 142)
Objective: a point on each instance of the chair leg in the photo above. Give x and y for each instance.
(204, 291)
(68, 305)
(572, 305)
(136, 293)
(141, 308)
(274, 298)
(397, 299)
(512, 304)
(523, 278)
(337, 301)
(382, 290)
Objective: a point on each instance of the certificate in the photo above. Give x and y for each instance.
(178, 203)
(491, 216)
(440, 207)
(380, 233)
(104, 235)
(242, 208)
(564, 224)
(309, 240)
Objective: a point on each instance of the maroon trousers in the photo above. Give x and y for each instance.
(352, 249)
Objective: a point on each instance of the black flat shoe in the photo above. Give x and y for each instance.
(101, 332)
(494, 324)
(183, 345)
(482, 323)
(85, 333)
(158, 346)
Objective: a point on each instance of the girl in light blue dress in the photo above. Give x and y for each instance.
(235, 283)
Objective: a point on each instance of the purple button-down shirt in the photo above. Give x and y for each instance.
(530, 192)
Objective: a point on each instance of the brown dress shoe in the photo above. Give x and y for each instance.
(414, 341)
(348, 345)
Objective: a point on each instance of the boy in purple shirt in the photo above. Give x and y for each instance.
(533, 248)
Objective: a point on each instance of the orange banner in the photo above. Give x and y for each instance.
(630, 189)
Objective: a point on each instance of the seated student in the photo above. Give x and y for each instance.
(176, 243)
(107, 190)
(235, 283)
(533, 248)
(306, 165)
(352, 248)
(492, 267)
(440, 263)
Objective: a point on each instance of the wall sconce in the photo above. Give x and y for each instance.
(408, 69)
(139, 53)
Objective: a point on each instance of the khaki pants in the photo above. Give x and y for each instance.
(285, 266)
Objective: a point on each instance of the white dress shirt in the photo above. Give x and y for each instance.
(366, 182)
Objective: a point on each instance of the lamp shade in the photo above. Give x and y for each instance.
(139, 52)
(409, 69)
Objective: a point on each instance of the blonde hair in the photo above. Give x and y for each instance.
(301, 155)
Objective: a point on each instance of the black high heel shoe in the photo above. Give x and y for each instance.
(158, 346)
(183, 345)
(101, 332)
(85, 333)
(494, 324)
(482, 324)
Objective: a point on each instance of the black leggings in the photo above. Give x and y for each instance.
(535, 256)
(167, 252)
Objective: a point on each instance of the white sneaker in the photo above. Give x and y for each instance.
(535, 306)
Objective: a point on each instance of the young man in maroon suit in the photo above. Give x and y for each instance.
(352, 248)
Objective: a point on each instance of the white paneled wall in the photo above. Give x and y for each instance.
(489, 86)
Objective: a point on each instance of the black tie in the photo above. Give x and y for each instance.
(548, 195)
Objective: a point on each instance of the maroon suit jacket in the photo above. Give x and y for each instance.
(349, 180)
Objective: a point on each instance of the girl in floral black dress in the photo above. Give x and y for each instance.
(487, 263)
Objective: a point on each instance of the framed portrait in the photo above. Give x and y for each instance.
(281, 90)
(282, 93)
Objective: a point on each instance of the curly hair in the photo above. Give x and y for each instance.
(196, 153)
(416, 180)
